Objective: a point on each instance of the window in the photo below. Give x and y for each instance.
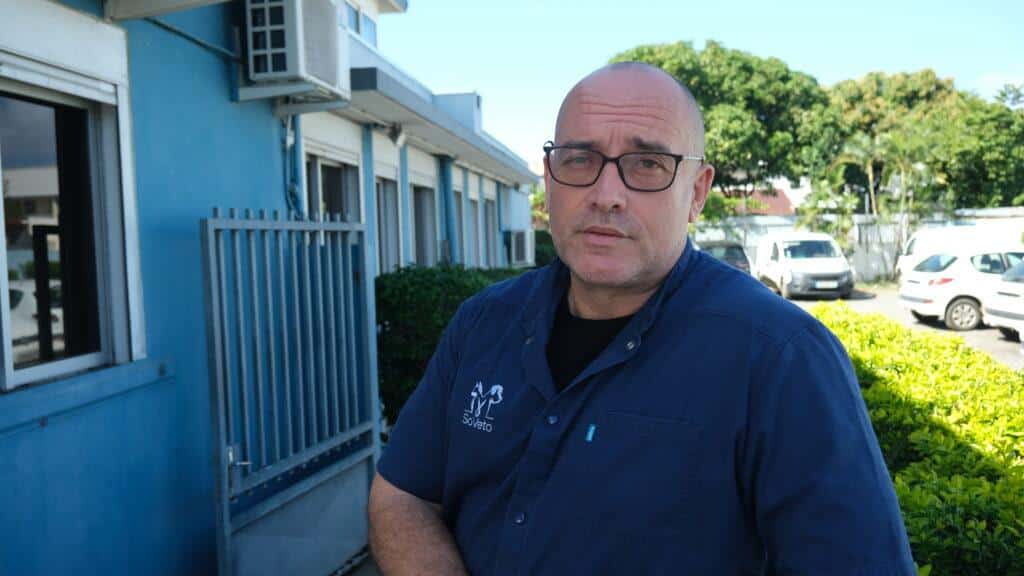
(988, 263)
(459, 224)
(71, 299)
(490, 233)
(517, 247)
(351, 17)
(332, 188)
(56, 315)
(424, 222)
(936, 263)
(473, 253)
(810, 249)
(368, 29)
(387, 225)
(1014, 258)
(1015, 274)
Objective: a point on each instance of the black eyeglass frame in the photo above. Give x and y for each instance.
(550, 146)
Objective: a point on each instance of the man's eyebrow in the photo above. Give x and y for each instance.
(646, 146)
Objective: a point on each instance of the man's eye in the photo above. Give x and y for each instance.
(577, 160)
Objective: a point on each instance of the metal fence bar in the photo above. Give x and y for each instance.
(331, 348)
(254, 288)
(350, 320)
(308, 325)
(285, 360)
(224, 335)
(243, 373)
(300, 401)
(292, 225)
(323, 428)
(340, 244)
(271, 342)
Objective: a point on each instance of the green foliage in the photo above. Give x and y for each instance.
(950, 421)
(13, 274)
(752, 108)
(538, 208)
(413, 307)
(28, 270)
(543, 248)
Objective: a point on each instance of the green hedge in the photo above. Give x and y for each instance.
(543, 248)
(950, 421)
(413, 307)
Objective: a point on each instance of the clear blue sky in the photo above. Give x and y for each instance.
(522, 56)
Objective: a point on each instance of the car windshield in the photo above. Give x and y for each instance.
(936, 263)
(726, 252)
(810, 249)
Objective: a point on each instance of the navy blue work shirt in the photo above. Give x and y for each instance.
(721, 432)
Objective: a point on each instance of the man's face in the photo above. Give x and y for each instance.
(608, 235)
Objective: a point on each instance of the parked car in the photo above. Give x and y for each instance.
(954, 284)
(729, 252)
(804, 264)
(1004, 308)
(929, 241)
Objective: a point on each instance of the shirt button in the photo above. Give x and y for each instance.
(529, 339)
(553, 419)
(630, 345)
(520, 519)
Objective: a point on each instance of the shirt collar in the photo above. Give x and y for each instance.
(554, 281)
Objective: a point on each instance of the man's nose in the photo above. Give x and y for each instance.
(609, 191)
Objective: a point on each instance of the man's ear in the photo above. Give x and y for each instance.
(701, 188)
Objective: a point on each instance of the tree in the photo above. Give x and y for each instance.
(538, 210)
(752, 107)
(1011, 95)
(865, 152)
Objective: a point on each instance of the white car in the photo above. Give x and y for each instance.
(803, 264)
(953, 284)
(1004, 308)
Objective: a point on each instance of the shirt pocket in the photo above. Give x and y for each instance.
(645, 471)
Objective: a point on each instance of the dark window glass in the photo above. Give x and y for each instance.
(51, 254)
(810, 249)
(936, 263)
(988, 263)
(351, 18)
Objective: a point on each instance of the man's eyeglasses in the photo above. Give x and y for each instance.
(640, 171)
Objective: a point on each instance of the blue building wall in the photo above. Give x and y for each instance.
(110, 472)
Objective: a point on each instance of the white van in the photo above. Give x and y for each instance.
(803, 264)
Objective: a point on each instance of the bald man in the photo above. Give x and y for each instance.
(636, 407)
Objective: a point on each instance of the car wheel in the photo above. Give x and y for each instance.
(963, 314)
(1010, 334)
(919, 317)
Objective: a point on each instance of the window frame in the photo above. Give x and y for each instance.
(57, 71)
(102, 138)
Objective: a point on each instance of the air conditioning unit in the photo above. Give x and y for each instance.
(296, 48)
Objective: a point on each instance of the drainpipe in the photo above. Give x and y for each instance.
(298, 184)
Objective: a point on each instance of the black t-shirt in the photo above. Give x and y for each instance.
(575, 342)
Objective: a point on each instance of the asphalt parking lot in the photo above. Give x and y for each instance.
(885, 300)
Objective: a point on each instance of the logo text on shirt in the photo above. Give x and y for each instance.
(478, 415)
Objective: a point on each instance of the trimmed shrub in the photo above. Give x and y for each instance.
(414, 306)
(950, 421)
(543, 248)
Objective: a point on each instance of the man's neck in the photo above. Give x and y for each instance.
(602, 302)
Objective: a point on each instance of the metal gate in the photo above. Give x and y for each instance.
(295, 424)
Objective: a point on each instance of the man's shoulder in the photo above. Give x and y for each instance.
(741, 301)
(507, 297)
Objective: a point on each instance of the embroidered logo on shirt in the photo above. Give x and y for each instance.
(478, 415)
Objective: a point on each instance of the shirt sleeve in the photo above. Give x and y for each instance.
(821, 495)
(415, 455)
